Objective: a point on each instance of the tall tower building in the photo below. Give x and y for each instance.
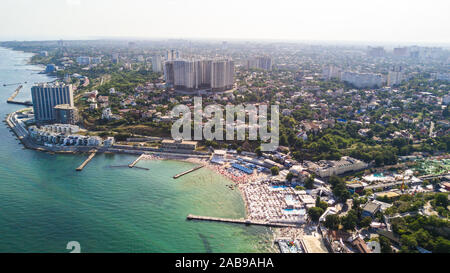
(261, 62)
(331, 72)
(395, 76)
(192, 75)
(156, 64)
(46, 96)
(173, 54)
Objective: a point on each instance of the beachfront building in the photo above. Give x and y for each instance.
(170, 144)
(61, 128)
(108, 142)
(62, 135)
(46, 96)
(66, 114)
(219, 156)
(327, 168)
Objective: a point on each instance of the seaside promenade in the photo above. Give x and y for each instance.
(22, 134)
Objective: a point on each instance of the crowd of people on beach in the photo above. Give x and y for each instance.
(265, 203)
(226, 170)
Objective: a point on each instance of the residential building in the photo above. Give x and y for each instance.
(395, 76)
(362, 80)
(172, 55)
(169, 144)
(156, 64)
(109, 141)
(260, 62)
(66, 114)
(327, 168)
(331, 72)
(50, 68)
(46, 96)
(376, 51)
(401, 51)
(193, 75)
(370, 209)
(83, 60)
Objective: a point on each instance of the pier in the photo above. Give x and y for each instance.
(81, 167)
(26, 103)
(15, 93)
(136, 161)
(13, 96)
(188, 171)
(10, 84)
(127, 166)
(238, 221)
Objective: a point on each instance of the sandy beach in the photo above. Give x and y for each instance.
(262, 201)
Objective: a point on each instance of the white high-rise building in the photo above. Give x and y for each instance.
(156, 64)
(191, 75)
(173, 55)
(83, 60)
(261, 62)
(330, 72)
(395, 76)
(362, 80)
(442, 77)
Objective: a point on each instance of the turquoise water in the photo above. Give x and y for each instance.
(45, 203)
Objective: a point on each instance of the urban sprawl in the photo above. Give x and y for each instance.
(363, 163)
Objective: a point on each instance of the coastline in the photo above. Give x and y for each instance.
(31, 173)
(238, 179)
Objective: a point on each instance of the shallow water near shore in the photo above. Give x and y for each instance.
(45, 203)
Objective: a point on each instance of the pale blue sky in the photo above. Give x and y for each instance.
(398, 21)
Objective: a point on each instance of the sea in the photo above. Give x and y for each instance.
(45, 203)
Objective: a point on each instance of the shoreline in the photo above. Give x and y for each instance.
(239, 180)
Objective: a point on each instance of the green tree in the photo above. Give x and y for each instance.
(350, 220)
(321, 204)
(275, 170)
(409, 241)
(341, 192)
(441, 200)
(332, 221)
(442, 245)
(385, 245)
(309, 182)
(315, 213)
(289, 176)
(258, 151)
(365, 222)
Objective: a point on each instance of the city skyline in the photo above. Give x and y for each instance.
(400, 22)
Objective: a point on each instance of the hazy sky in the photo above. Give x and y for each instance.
(397, 21)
